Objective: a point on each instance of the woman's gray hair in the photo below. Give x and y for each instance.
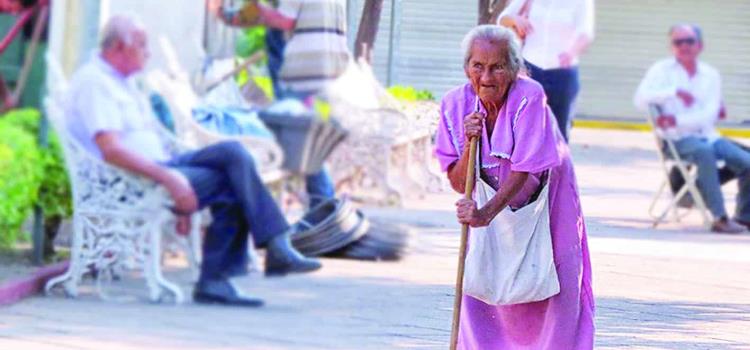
(500, 35)
(118, 28)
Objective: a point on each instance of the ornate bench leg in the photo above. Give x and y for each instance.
(194, 245)
(158, 286)
(70, 279)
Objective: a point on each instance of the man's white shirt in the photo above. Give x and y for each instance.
(101, 99)
(660, 86)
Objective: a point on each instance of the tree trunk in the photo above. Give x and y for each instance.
(489, 10)
(368, 29)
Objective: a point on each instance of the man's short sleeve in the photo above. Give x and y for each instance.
(97, 109)
(290, 8)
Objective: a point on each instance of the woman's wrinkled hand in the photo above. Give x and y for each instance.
(467, 213)
(473, 125)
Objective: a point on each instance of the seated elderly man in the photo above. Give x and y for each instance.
(689, 92)
(114, 121)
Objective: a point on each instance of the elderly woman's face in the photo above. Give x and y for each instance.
(488, 70)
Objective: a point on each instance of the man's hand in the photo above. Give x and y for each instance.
(185, 201)
(566, 60)
(467, 213)
(666, 121)
(686, 97)
(473, 125)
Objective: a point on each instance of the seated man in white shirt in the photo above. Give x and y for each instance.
(114, 121)
(689, 93)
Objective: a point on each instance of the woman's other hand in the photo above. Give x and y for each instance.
(522, 26)
(473, 125)
(467, 213)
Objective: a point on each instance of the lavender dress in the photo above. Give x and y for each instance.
(525, 138)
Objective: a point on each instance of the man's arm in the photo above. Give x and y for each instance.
(268, 16)
(707, 107)
(178, 187)
(275, 19)
(654, 88)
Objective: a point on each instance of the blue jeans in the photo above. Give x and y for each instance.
(319, 187)
(561, 87)
(225, 179)
(737, 160)
(275, 44)
(705, 155)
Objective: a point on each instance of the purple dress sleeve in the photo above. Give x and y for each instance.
(534, 135)
(446, 142)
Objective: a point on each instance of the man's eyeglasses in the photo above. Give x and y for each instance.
(685, 41)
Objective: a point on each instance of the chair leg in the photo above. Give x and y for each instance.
(655, 200)
(672, 204)
(253, 259)
(194, 245)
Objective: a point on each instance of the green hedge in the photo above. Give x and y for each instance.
(29, 175)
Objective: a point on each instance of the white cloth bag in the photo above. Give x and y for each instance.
(510, 261)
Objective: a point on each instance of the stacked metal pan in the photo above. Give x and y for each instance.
(335, 228)
(329, 226)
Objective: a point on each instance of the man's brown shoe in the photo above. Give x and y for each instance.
(725, 225)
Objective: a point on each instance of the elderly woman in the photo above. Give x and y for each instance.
(519, 143)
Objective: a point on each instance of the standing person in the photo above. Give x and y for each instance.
(554, 34)
(519, 144)
(689, 93)
(315, 54)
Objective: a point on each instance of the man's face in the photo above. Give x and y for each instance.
(685, 44)
(134, 54)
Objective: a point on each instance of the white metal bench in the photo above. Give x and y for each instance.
(119, 218)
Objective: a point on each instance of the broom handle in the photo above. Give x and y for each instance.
(468, 189)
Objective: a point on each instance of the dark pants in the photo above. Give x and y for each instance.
(275, 43)
(225, 179)
(561, 87)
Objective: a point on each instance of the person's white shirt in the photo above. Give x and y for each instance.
(557, 24)
(101, 99)
(660, 86)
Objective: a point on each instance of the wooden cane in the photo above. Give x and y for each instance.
(468, 189)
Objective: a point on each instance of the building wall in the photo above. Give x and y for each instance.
(632, 34)
(426, 45)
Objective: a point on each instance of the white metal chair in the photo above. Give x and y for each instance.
(669, 159)
(387, 151)
(119, 218)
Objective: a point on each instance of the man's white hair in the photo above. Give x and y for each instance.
(120, 28)
(500, 35)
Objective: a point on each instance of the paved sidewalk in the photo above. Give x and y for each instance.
(677, 287)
